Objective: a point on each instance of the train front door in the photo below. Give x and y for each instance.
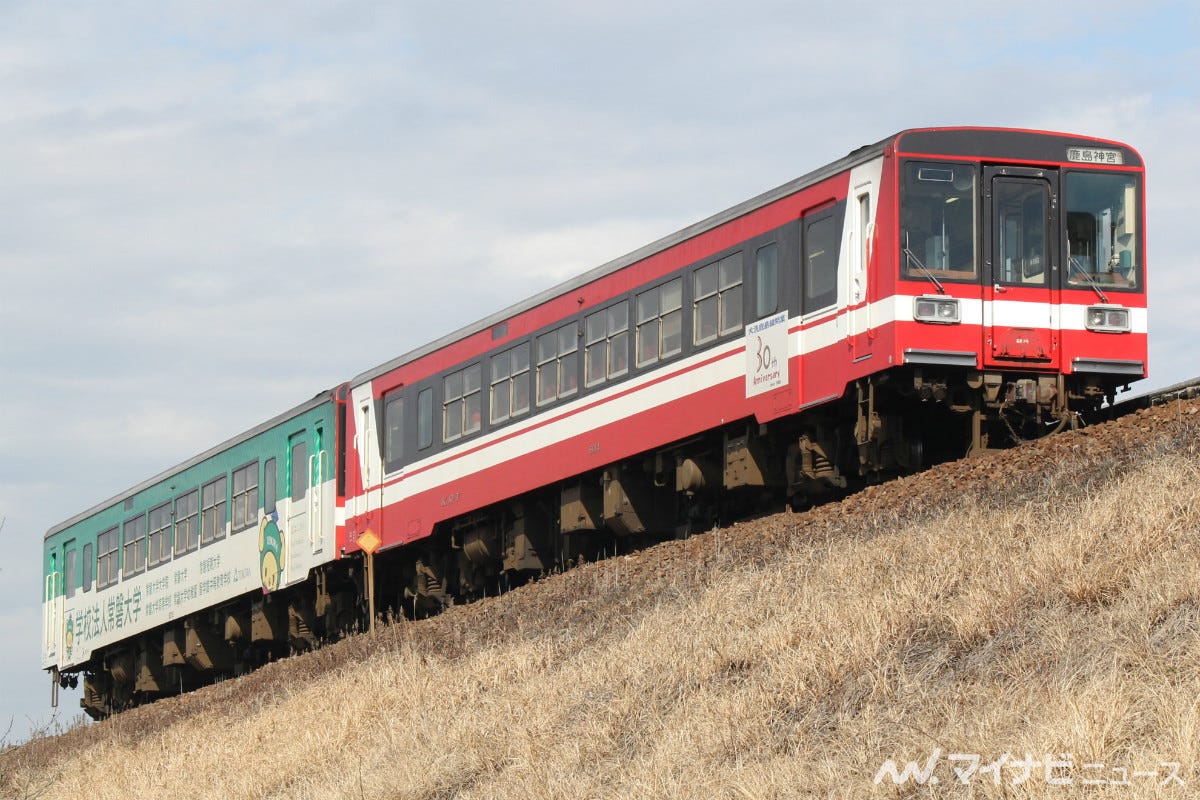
(1021, 323)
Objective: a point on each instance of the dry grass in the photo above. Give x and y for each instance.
(1051, 609)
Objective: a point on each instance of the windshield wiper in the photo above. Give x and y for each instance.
(1087, 277)
(912, 257)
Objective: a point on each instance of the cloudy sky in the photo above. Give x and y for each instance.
(211, 211)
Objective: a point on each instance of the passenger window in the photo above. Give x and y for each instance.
(87, 567)
(510, 383)
(558, 364)
(213, 500)
(766, 280)
(135, 546)
(245, 497)
(820, 265)
(270, 486)
(659, 322)
(108, 547)
(424, 419)
(393, 427)
(160, 535)
(461, 403)
(187, 522)
(606, 336)
(717, 304)
(72, 571)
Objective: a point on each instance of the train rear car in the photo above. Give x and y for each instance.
(201, 572)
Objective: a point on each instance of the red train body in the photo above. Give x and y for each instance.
(988, 283)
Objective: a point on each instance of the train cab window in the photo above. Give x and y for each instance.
(213, 502)
(270, 486)
(660, 322)
(108, 550)
(766, 280)
(187, 522)
(245, 497)
(1021, 207)
(159, 549)
(557, 364)
(717, 303)
(510, 383)
(424, 419)
(1102, 230)
(87, 567)
(820, 264)
(393, 429)
(135, 546)
(606, 344)
(938, 227)
(462, 400)
(70, 570)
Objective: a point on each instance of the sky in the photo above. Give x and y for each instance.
(211, 211)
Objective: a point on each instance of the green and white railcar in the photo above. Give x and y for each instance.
(176, 571)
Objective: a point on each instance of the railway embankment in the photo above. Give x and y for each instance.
(1022, 624)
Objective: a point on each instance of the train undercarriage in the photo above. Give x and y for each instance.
(891, 424)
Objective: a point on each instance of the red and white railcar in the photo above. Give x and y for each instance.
(943, 291)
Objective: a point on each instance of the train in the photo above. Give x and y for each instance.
(941, 293)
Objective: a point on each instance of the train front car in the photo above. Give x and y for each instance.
(1019, 265)
(938, 293)
(202, 572)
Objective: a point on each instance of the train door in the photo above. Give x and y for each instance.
(1021, 324)
(298, 467)
(859, 236)
(318, 472)
(54, 608)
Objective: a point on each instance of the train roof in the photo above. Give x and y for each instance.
(316, 402)
(949, 141)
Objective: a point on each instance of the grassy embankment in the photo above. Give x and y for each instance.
(1044, 601)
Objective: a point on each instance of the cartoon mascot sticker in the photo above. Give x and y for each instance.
(270, 552)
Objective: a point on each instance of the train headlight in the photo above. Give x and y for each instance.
(1108, 319)
(937, 309)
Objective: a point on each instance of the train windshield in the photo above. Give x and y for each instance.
(938, 236)
(1102, 230)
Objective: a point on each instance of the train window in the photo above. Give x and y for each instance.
(558, 364)
(298, 471)
(717, 304)
(659, 322)
(510, 383)
(606, 344)
(187, 522)
(1102, 224)
(1021, 208)
(766, 280)
(87, 567)
(461, 403)
(213, 501)
(135, 546)
(245, 497)
(938, 228)
(71, 570)
(159, 549)
(820, 264)
(270, 486)
(393, 429)
(107, 547)
(424, 419)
